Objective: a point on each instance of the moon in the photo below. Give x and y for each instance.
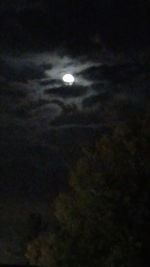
(68, 79)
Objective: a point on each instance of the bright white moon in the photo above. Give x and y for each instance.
(69, 79)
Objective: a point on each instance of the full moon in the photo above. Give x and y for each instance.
(68, 79)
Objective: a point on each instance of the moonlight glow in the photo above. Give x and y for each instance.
(68, 79)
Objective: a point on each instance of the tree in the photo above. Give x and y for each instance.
(104, 219)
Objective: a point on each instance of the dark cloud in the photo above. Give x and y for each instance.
(67, 91)
(97, 100)
(50, 82)
(21, 113)
(20, 73)
(93, 73)
(12, 91)
(116, 73)
(123, 73)
(101, 86)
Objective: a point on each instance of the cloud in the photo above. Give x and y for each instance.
(34, 94)
(92, 73)
(96, 100)
(12, 91)
(12, 72)
(67, 92)
(50, 82)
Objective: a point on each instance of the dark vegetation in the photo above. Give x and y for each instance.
(103, 219)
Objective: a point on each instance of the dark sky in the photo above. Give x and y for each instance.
(38, 24)
(105, 45)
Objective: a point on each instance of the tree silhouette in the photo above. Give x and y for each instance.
(104, 219)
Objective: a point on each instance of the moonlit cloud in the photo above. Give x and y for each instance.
(33, 78)
(38, 77)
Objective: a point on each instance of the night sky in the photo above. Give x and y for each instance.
(105, 45)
